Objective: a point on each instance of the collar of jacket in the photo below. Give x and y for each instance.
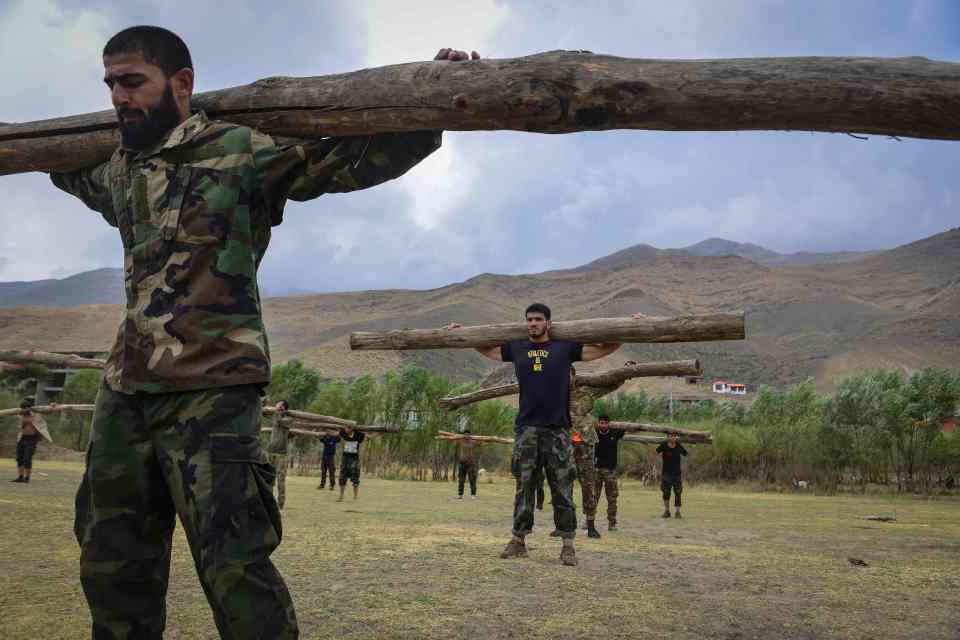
(181, 134)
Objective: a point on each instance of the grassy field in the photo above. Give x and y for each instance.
(408, 560)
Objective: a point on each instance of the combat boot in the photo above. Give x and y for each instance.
(514, 549)
(568, 556)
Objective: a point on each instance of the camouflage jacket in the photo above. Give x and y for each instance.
(582, 400)
(194, 215)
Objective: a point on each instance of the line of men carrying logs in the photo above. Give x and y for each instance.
(557, 439)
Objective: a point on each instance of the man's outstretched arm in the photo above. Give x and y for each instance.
(494, 353)
(336, 165)
(92, 186)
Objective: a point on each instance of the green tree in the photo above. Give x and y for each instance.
(293, 382)
(73, 428)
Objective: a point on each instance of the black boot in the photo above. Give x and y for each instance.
(19, 479)
(26, 479)
(592, 530)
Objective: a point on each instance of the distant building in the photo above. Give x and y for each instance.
(49, 388)
(950, 424)
(735, 388)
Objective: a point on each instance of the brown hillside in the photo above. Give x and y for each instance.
(892, 308)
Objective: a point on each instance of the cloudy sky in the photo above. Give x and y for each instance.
(498, 201)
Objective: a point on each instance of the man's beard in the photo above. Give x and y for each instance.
(153, 127)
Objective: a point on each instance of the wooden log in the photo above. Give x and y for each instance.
(614, 377)
(660, 428)
(311, 417)
(553, 92)
(51, 359)
(455, 402)
(692, 328)
(609, 378)
(323, 429)
(297, 432)
(658, 439)
(53, 408)
(453, 437)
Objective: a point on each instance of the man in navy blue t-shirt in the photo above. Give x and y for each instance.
(542, 366)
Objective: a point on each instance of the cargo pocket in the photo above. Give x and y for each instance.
(244, 521)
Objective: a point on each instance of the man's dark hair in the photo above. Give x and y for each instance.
(157, 45)
(286, 405)
(466, 431)
(538, 307)
(26, 403)
(604, 418)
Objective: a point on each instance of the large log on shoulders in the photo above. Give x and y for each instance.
(609, 378)
(613, 377)
(305, 416)
(553, 92)
(53, 408)
(660, 428)
(691, 328)
(660, 439)
(455, 402)
(66, 361)
(454, 437)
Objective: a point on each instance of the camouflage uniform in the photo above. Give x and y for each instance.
(608, 478)
(582, 399)
(195, 455)
(553, 445)
(195, 214)
(277, 449)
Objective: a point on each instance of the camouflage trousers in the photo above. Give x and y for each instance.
(607, 479)
(587, 475)
(196, 455)
(328, 466)
(349, 470)
(551, 448)
(279, 462)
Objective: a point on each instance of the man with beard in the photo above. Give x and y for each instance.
(177, 420)
(542, 366)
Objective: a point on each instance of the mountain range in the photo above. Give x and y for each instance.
(808, 315)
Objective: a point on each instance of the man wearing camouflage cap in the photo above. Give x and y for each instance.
(177, 421)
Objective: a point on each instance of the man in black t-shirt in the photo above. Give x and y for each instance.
(670, 478)
(542, 366)
(350, 460)
(605, 462)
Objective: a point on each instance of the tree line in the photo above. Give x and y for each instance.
(878, 427)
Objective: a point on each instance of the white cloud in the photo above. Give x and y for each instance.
(51, 60)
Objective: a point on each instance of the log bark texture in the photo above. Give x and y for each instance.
(305, 416)
(661, 428)
(553, 92)
(453, 437)
(52, 359)
(692, 328)
(53, 408)
(609, 378)
(658, 439)
(615, 377)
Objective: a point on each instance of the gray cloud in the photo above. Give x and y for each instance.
(510, 202)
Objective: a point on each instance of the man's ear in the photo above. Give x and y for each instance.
(182, 83)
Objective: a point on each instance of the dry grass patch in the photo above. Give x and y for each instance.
(408, 560)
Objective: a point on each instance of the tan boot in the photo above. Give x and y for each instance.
(568, 556)
(514, 549)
